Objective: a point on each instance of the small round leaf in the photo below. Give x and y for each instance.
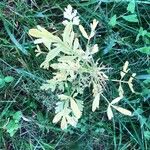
(8, 79)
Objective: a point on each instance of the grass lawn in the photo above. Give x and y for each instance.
(26, 111)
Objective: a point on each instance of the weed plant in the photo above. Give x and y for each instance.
(118, 48)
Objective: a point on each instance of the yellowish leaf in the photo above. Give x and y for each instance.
(109, 113)
(94, 49)
(122, 110)
(116, 100)
(63, 97)
(96, 102)
(63, 123)
(67, 32)
(72, 121)
(35, 33)
(52, 54)
(57, 117)
(125, 67)
(122, 74)
(83, 31)
(76, 44)
(130, 82)
(120, 90)
(131, 87)
(75, 108)
(94, 24)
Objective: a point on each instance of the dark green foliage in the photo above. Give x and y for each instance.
(26, 111)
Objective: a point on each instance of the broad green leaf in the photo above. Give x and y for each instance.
(113, 21)
(12, 127)
(2, 83)
(8, 79)
(63, 97)
(131, 18)
(131, 6)
(59, 106)
(145, 50)
(17, 116)
(142, 33)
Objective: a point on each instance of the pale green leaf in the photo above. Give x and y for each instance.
(94, 49)
(83, 32)
(57, 117)
(131, 18)
(80, 104)
(35, 33)
(76, 44)
(116, 100)
(72, 36)
(72, 121)
(63, 97)
(95, 103)
(131, 6)
(142, 33)
(145, 50)
(130, 82)
(109, 113)
(122, 110)
(147, 134)
(52, 54)
(113, 21)
(67, 32)
(8, 79)
(66, 58)
(75, 108)
(63, 123)
(120, 90)
(125, 69)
